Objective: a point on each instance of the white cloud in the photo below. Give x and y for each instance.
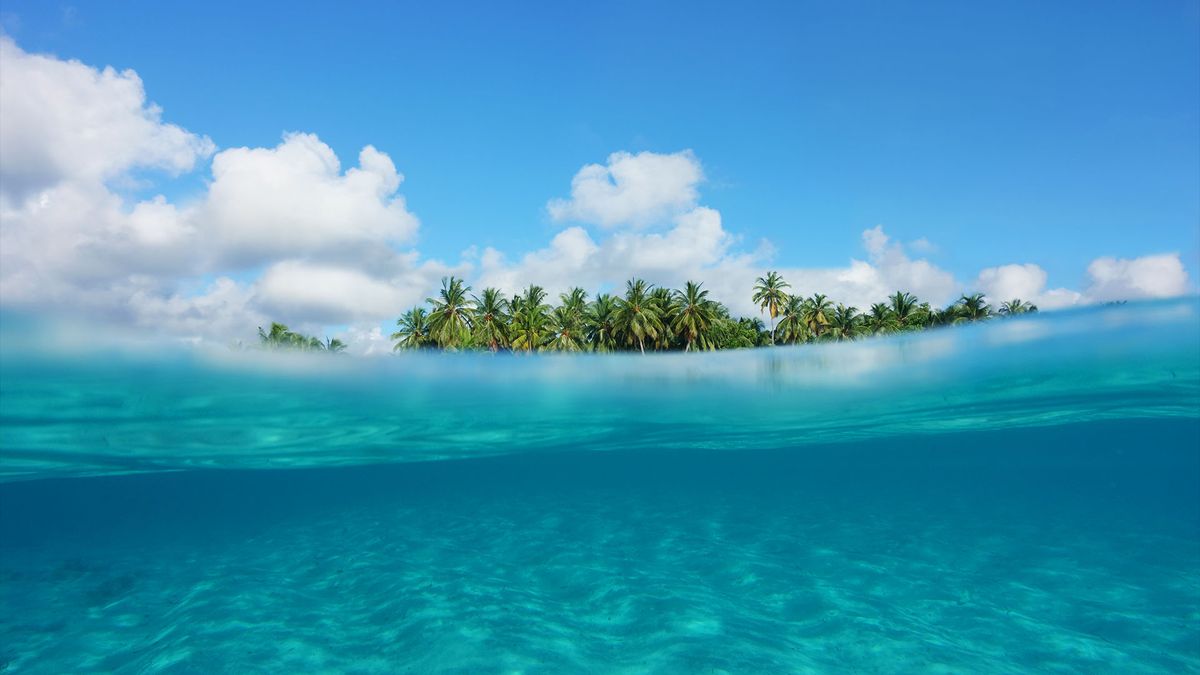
(1026, 282)
(1012, 281)
(80, 234)
(65, 121)
(70, 243)
(367, 339)
(888, 269)
(699, 248)
(694, 243)
(922, 245)
(1152, 276)
(223, 312)
(293, 199)
(632, 190)
(326, 294)
(1155, 276)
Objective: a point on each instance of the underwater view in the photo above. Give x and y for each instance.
(1016, 496)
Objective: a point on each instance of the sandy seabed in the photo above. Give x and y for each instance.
(611, 578)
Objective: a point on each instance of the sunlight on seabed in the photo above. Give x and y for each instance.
(75, 403)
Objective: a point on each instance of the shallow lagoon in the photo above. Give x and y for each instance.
(1013, 497)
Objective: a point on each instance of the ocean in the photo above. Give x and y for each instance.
(1021, 495)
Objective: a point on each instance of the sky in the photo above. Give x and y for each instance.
(326, 164)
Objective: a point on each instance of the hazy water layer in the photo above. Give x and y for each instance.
(126, 410)
(1019, 497)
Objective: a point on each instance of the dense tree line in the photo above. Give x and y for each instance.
(653, 318)
(281, 337)
(647, 318)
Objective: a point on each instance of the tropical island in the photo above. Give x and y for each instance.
(648, 318)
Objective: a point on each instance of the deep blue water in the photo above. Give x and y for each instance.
(1018, 497)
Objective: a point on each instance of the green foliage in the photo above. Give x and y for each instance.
(530, 320)
(971, 308)
(639, 316)
(492, 320)
(845, 323)
(451, 316)
(414, 330)
(769, 295)
(881, 320)
(793, 327)
(600, 321)
(691, 317)
(816, 313)
(648, 317)
(1016, 306)
(280, 337)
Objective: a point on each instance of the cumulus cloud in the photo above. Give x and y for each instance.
(327, 238)
(887, 269)
(325, 293)
(695, 242)
(1026, 282)
(697, 247)
(1152, 276)
(293, 199)
(223, 311)
(1012, 281)
(66, 121)
(632, 190)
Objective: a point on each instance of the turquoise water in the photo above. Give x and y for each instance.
(1020, 496)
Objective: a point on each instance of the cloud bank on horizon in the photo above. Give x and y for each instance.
(286, 233)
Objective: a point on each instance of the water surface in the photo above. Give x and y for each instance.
(1012, 497)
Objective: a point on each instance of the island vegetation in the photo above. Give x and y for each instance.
(281, 337)
(648, 318)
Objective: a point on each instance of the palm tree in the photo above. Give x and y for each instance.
(530, 319)
(664, 299)
(414, 330)
(769, 294)
(575, 300)
(600, 323)
(972, 308)
(944, 317)
(817, 310)
(792, 328)
(844, 324)
(450, 320)
(566, 330)
(278, 337)
(882, 319)
(693, 317)
(1016, 306)
(638, 316)
(490, 325)
(924, 316)
(282, 337)
(906, 310)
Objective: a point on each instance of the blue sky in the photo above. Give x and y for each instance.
(1053, 132)
(1001, 133)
